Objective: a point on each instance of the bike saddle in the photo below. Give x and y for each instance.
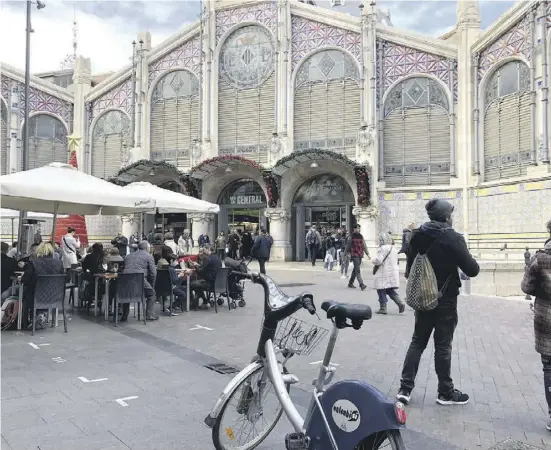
(343, 311)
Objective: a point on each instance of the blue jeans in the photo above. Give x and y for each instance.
(391, 292)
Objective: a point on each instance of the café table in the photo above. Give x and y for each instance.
(107, 277)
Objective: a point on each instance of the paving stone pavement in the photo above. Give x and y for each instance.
(45, 405)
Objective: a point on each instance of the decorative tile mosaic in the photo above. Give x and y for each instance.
(548, 15)
(118, 97)
(398, 210)
(514, 42)
(186, 56)
(265, 13)
(100, 228)
(309, 35)
(399, 61)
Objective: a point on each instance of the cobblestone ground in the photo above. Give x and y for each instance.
(46, 405)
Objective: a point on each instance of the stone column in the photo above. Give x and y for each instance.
(130, 224)
(14, 121)
(280, 232)
(202, 223)
(367, 217)
(82, 84)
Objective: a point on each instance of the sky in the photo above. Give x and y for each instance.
(106, 29)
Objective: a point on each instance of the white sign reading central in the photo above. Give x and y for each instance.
(245, 199)
(346, 415)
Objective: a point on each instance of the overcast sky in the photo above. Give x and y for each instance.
(107, 28)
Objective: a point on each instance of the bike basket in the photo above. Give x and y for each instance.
(298, 336)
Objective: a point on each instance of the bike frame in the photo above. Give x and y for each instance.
(326, 373)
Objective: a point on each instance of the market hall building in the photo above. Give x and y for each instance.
(288, 114)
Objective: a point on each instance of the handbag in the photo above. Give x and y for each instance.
(376, 268)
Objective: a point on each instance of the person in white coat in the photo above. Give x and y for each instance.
(70, 243)
(185, 244)
(169, 242)
(386, 275)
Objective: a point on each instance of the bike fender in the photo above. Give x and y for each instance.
(354, 410)
(229, 390)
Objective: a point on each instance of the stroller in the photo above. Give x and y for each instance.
(236, 287)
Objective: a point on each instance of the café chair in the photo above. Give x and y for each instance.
(50, 294)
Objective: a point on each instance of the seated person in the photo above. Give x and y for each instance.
(169, 261)
(8, 268)
(42, 264)
(93, 264)
(206, 272)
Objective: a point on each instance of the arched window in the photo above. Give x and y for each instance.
(416, 137)
(4, 142)
(47, 141)
(327, 103)
(507, 122)
(175, 118)
(246, 93)
(110, 138)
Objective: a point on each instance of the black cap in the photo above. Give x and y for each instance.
(439, 210)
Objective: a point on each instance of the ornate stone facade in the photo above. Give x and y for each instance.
(186, 56)
(308, 35)
(264, 13)
(514, 42)
(119, 97)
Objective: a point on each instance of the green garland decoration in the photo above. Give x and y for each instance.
(223, 158)
(363, 188)
(317, 151)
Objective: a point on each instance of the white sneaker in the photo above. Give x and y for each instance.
(343, 277)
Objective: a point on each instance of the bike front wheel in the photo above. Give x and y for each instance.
(387, 440)
(249, 415)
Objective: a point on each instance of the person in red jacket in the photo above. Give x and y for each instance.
(356, 248)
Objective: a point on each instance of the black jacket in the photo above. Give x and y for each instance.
(210, 269)
(261, 247)
(9, 266)
(448, 254)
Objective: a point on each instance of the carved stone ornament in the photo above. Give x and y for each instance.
(277, 214)
(201, 217)
(366, 137)
(368, 212)
(275, 144)
(196, 149)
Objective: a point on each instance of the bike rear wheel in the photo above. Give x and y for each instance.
(257, 409)
(387, 440)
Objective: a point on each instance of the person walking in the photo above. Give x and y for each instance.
(313, 241)
(447, 252)
(406, 237)
(344, 258)
(261, 249)
(386, 276)
(356, 248)
(221, 246)
(537, 282)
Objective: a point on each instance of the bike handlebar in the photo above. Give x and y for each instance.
(307, 300)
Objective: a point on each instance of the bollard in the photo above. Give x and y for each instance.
(527, 258)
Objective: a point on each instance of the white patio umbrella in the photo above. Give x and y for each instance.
(171, 202)
(61, 189)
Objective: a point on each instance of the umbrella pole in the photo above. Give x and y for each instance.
(12, 230)
(163, 224)
(56, 206)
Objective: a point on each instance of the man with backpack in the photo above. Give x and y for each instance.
(436, 252)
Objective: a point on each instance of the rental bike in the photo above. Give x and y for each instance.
(347, 415)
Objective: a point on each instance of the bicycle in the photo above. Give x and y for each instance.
(347, 415)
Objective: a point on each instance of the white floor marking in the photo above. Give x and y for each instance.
(122, 402)
(36, 347)
(200, 327)
(86, 380)
(59, 360)
(315, 363)
(42, 345)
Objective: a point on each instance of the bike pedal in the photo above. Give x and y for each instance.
(296, 441)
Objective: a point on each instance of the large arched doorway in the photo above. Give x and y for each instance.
(242, 204)
(111, 136)
(47, 141)
(324, 200)
(416, 140)
(507, 122)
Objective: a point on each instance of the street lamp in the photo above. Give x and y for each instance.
(25, 156)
